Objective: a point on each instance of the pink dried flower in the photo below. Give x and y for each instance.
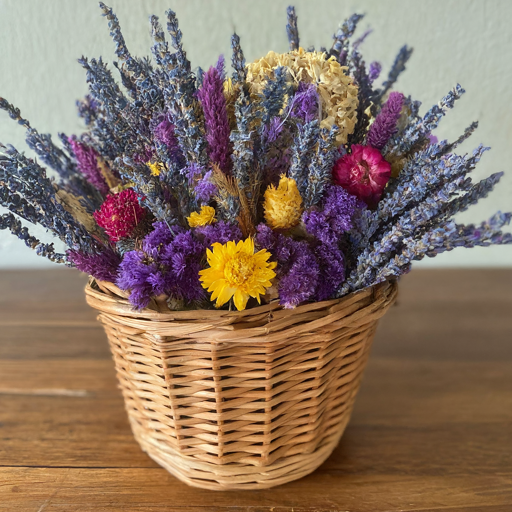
(120, 214)
(363, 173)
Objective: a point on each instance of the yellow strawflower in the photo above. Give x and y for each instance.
(156, 168)
(336, 90)
(236, 271)
(283, 206)
(202, 218)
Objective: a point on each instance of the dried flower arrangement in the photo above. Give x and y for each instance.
(296, 179)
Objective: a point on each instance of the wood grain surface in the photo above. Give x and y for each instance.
(431, 430)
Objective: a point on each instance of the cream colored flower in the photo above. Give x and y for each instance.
(337, 92)
(283, 205)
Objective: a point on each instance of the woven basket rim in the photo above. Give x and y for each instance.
(108, 298)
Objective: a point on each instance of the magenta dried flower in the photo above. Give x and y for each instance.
(363, 173)
(120, 214)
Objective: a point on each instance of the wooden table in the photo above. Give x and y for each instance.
(432, 427)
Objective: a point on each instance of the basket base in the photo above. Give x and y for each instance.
(231, 477)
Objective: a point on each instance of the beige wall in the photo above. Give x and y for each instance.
(466, 41)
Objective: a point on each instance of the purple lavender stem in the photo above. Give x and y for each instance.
(87, 160)
(385, 123)
(211, 96)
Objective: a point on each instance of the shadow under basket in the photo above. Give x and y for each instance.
(240, 399)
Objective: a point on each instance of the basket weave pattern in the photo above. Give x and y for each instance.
(240, 400)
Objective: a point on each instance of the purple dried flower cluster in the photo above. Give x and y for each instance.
(385, 123)
(87, 161)
(305, 105)
(174, 160)
(211, 95)
(200, 182)
(221, 232)
(102, 265)
(334, 216)
(307, 269)
(168, 264)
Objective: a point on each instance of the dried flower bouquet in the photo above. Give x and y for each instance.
(295, 179)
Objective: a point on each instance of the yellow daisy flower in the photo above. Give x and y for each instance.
(202, 218)
(156, 168)
(236, 271)
(283, 206)
(336, 90)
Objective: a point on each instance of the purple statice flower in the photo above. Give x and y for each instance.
(160, 236)
(202, 185)
(87, 160)
(193, 172)
(101, 265)
(266, 238)
(168, 263)
(183, 259)
(334, 217)
(300, 282)
(211, 96)
(273, 129)
(374, 71)
(297, 270)
(385, 124)
(331, 263)
(221, 232)
(305, 103)
(205, 189)
(142, 274)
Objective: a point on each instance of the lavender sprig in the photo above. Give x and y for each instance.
(342, 36)
(180, 94)
(52, 155)
(422, 175)
(133, 66)
(396, 70)
(238, 60)
(434, 212)
(302, 150)
(274, 94)
(176, 38)
(418, 131)
(320, 167)
(9, 221)
(26, 178)
(291, 28)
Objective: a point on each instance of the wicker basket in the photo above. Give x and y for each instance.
(240, 400)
